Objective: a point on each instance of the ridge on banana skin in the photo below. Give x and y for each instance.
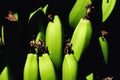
(69, 67)
(104, 47)
(81, 37)
(31, 67)
(77, 12)
(46, 68)
(54, 42)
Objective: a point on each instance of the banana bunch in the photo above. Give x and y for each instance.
(69, 65)
(107, 8)
(81, 37)
(77, 12)
(54, 39)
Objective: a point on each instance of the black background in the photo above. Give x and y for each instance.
(17, 36)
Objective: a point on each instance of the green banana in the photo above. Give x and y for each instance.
(46, 68)
(54, 37)
(6, 74)
(107, 8)
(81, 37)
(31, 67)
(69, 67)
(104, 46)
(70, 64)
(77, 12)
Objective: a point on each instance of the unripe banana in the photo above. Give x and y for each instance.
(69, 67)
(107, 8)
(46, 68)
(81, 37)
(6, 74)
(104, 47)
(54, 38)
(77, 12)
(31, 67)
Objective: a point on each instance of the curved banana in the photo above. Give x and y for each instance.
(107, 8)
(69, 67)
(54, 38)
(31, 67)
(46, 68)
(77, 12)
(6, 74)
(81, 37)
(104, 47)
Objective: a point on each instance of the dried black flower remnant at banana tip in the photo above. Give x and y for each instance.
(50, 17)
(104, 33)
(67, 48)
(33, 45)
(89, 7)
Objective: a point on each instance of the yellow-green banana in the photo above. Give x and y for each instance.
(77, 12)
(6, 74)
(54, 40)
(31, 67)
(107, 8)
(69, 67)
(81, 37)
(104, 47)
(46, 68)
